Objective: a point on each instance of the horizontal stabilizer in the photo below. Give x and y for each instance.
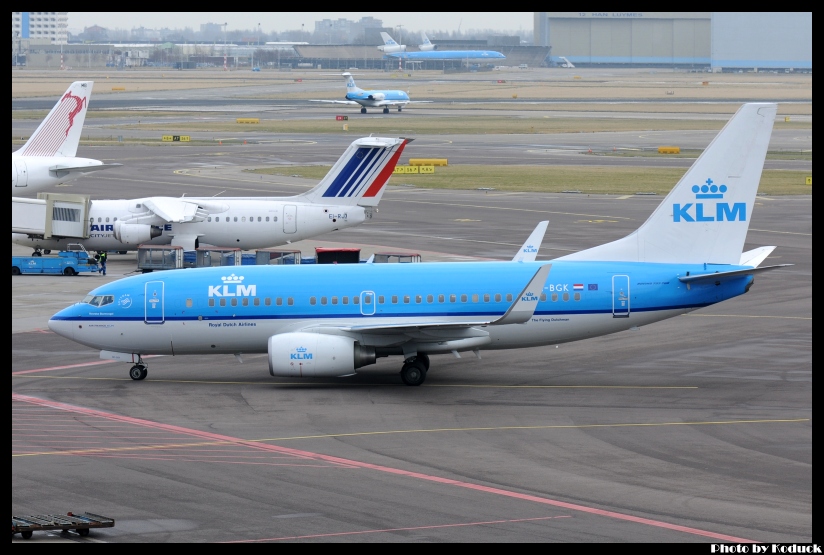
(724, 276)
(755, 257)
(69, 168)
(529, 250)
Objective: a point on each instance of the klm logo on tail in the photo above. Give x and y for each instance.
(703, 212)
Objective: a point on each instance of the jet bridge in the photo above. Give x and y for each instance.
(51, 215)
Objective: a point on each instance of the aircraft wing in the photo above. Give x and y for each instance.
(336, 101)
(519, 312)
(175, 210)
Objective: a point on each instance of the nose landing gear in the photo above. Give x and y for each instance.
(139, 371)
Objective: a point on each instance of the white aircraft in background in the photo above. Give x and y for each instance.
(48, 157)
(346, 197)
(329, 320)
(426, 45)
(389, 45)
(564, 62)
(372, 99)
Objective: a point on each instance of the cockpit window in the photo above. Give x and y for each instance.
(99, 300)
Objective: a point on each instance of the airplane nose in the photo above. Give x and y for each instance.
(61, 326)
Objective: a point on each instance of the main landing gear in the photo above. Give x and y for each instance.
(363, 110)
(414, 369)
(386, 110)
(139, 371)
(400, 108)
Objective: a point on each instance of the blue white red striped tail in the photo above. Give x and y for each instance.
(59, 134)
(360, 176)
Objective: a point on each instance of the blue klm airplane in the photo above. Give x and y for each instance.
(372, 99)
(330, 320)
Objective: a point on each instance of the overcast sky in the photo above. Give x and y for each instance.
(277, 22)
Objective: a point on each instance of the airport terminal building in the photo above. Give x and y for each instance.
(715, 41)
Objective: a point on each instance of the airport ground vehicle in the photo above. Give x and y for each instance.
(70, 262)
(82, 523)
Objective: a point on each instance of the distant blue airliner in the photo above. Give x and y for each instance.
(330, 320)
(466, 55)
(372, 99)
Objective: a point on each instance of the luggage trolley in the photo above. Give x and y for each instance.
(81, 523)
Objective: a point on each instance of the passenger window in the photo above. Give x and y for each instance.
(313, 300)
(188, 303)
(259, 218)
(418, 299)
(441, 298)
(107, 219)
(452, 298)
(222, 302)
(290, 301)
(430, 299)
(323, 300)
(267, 218)
(245, 301)
(509, 297)
(236, 218)
(486, 297)
(209, 219)
(345, 300)
(335, 300)
(211, 302)
(217, 218)
(394, 299)
(243, 218)
(367, 299)
(278, 301)
(234, 302)
(406, 299)
(380, 299)
(274, 218)
(267, 301)
(566, 297)
(463, 298)
(475, 298)
(577, 296)
(257, 301)
(555, 297)
(543, 297)
(355, 299)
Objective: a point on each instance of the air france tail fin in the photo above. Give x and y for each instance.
(59, 133)
(360, 175)
(706, 216)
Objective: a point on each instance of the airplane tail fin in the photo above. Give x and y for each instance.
(350, 82)
(706, 216)
(59, 133)
(387, 39)
(360, 176)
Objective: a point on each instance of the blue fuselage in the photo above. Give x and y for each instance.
(236, 309)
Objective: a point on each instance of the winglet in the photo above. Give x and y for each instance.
(529, 250)
(522, 309)
(59, 133)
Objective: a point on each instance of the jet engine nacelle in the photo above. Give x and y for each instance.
(390, 48)
(135, 234)
(377, 96)
(316, 354)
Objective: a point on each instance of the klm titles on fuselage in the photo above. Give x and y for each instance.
(696, 212)
(232, 287)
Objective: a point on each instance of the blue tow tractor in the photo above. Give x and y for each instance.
(70, 262)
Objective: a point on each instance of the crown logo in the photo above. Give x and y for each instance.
(301, 349)
(709, 190)
(232, 279)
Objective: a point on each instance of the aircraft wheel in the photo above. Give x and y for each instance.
(423, 358)
(400, 108)
(363, 110)
(46, 251)
(138, 372)
(69, 272)
(386, 110)
(37, 253)
(83, 531)
(413, 373)
(26, 535)
(15, 271)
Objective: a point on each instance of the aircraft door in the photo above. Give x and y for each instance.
(154, 294)
(367, 304)
(620, 296)
(19, 174)
(290, 218)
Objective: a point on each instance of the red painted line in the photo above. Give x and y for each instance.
(386, 469)
(435, 526)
